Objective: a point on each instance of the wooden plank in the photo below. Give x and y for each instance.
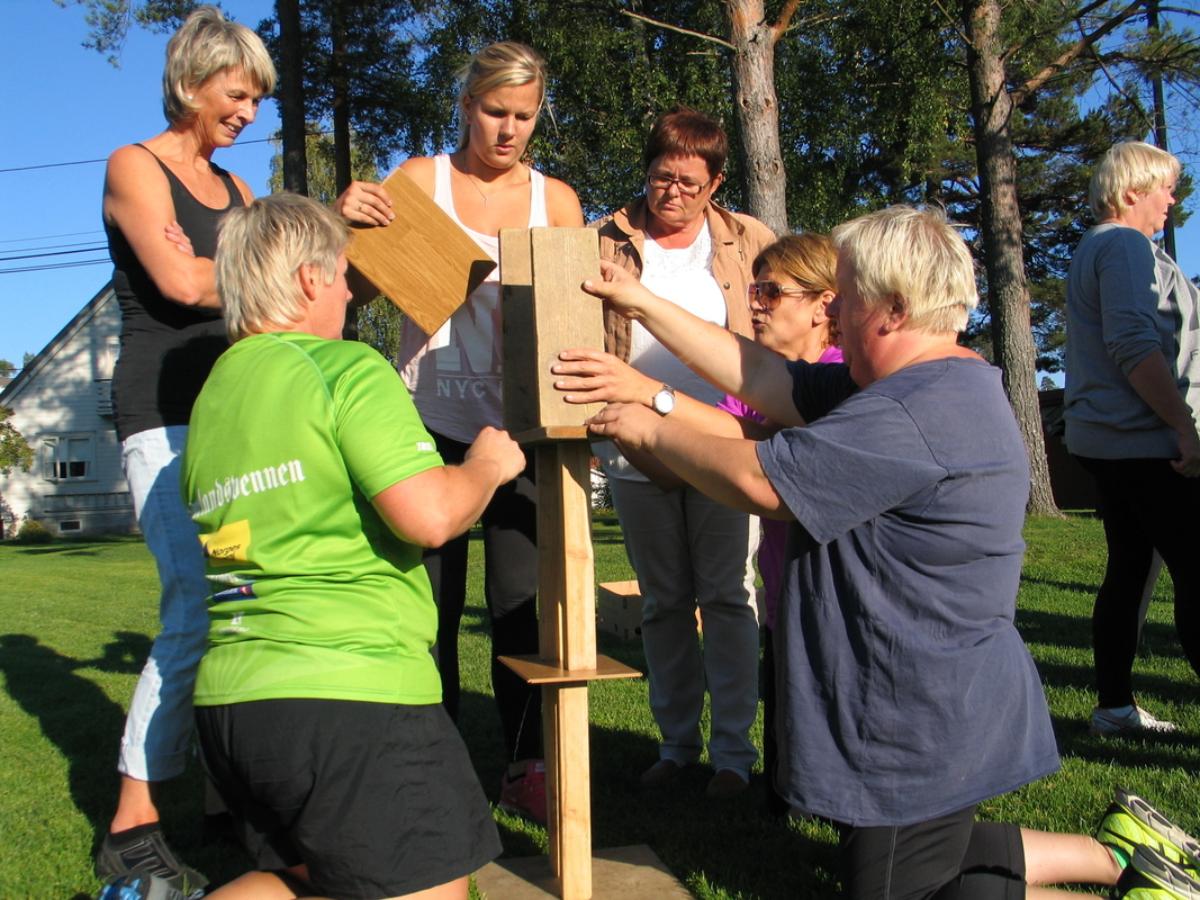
(574, 793)
(550, 434)
(551, 562)
(552, 740)
(537, 670)
(518, 362)
(422, 261)
(565, 316)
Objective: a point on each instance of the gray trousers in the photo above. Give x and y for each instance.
(689, 551)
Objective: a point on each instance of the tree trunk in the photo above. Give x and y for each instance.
(753, 42)
(291, 97)
(339, 78)
(1008, 295)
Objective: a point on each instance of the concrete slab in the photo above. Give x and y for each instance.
(629, 873)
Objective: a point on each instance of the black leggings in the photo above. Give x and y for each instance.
(1145, 506)
(510, 590)
(949, 858)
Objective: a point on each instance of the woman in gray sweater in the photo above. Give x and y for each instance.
(1133, 381)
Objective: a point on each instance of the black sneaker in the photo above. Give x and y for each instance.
(144, 851)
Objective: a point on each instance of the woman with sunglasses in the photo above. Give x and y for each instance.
(687, 550)
(795, 281)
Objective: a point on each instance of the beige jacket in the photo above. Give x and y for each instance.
(737, 240)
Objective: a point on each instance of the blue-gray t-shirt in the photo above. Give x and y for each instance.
(906, 692)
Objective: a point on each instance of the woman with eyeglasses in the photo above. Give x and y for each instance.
(795, 281)
(686, 549)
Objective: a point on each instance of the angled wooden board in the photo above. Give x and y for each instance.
(422, 261)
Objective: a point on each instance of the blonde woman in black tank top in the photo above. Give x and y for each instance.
(163, 199)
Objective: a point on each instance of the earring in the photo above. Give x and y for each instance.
(191, 97)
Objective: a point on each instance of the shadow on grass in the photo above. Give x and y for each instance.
(58, 550)
(73, 713)
(1168, 751)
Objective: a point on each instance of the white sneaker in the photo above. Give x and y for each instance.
(1127, 721)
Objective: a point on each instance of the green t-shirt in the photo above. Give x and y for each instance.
(314, 596)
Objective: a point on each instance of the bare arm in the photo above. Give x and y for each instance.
(436, 505)
(726, 469)
(732, 363)
(562, 205)
(1152, 380)
(137, 200)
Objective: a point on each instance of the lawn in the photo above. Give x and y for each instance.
(78, 619)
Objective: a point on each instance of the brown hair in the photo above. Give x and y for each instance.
(685, 132)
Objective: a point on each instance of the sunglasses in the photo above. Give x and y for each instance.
(768, 293)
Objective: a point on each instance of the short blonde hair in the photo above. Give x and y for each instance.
(913, 255)
(502, 64)
(1129, 166)
(261, 248)
(205, 44)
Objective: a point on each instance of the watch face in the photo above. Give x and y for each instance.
(664, 401)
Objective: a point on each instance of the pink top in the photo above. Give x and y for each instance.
(774, 532)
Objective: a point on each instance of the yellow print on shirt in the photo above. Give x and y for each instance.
(229, 544)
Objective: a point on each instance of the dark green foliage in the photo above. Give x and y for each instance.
(33, 532)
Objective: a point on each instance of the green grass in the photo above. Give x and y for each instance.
(78, 619)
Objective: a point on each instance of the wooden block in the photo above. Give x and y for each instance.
(550, 313)
(628, 873)
(619, 609)
(422, 261)
(519, 364)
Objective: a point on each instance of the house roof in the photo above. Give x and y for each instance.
(81, 318)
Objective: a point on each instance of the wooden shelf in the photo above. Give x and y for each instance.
(535, 670)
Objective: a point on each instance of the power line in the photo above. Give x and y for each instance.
(89, 249)
(84, 162)
(53, 266)
(49, 237)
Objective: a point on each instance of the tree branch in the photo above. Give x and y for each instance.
(1075, 50)
(696, 34)
(955, 23)
(785, 17)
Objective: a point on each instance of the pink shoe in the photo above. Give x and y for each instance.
(525, 795)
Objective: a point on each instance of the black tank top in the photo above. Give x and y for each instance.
(167, 349)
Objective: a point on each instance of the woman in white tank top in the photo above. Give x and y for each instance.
(455, 379)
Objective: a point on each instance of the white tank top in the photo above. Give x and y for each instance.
(455, 376)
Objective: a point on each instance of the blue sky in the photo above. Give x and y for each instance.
(67, 104)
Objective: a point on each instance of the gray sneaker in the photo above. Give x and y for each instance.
(1131, 822)
(1154, 877)
(146, 853)
(1127, 721)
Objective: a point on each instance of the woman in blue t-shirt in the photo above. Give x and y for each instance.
(907, 697)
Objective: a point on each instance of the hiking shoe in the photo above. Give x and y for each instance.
(1154, 877)
(525, 794)
(726, 785)
(144, 851)
(1131, 822)
(1127, 721)
(142, 887)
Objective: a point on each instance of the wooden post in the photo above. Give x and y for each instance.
(540, 275)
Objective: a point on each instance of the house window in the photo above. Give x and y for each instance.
(69, 457)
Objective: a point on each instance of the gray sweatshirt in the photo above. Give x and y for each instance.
(1126, 298)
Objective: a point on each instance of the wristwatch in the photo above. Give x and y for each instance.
(664, 401)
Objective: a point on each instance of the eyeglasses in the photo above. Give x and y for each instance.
(687, 188)
(768, 293)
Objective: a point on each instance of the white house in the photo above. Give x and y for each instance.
(62, 405)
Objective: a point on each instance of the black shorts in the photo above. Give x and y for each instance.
(949, 858)
(378, 800)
